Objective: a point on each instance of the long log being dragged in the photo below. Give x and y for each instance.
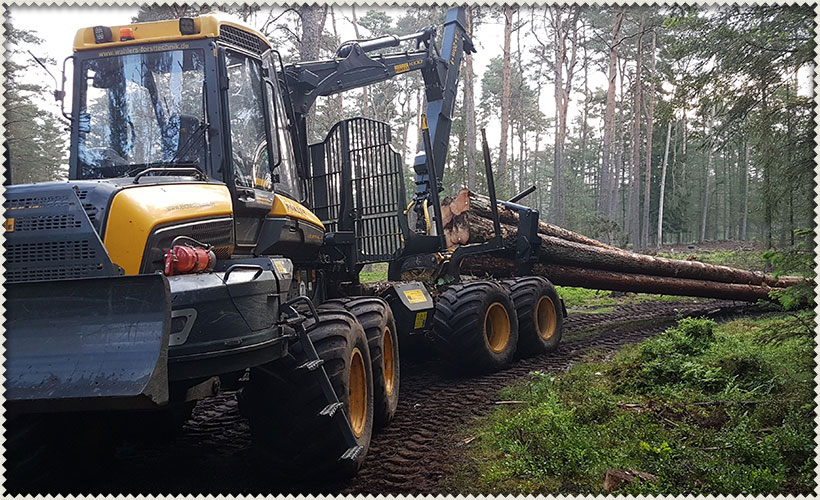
(623, 282)
(469, 227)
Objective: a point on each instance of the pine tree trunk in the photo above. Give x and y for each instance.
(469, 109)
(663, 183)
(313, 23)
(743, 233)
(339, 97)
(650, 117)
(606, 205)
(505, 101)
(709, 166)
(365, 110)
(633, 209)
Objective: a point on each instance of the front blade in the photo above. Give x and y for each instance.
(86, 344)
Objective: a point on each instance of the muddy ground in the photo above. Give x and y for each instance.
(413, 455)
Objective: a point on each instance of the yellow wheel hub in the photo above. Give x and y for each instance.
(358, 393)
(497, 327)
(389, 366)
(545, 318)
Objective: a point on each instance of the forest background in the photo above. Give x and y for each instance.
(640, 126)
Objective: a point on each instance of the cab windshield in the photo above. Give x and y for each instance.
(142, 110)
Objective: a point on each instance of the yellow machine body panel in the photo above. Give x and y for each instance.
(206, 26)
(285, 207)
(136, 211)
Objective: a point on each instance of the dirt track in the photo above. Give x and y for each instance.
(412, 456)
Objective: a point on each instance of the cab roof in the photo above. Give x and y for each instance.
(211, 25)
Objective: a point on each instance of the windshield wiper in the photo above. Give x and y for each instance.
(194, 139)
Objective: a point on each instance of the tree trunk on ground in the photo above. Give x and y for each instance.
(467, 226)
(469, 110)
(480, 205)
(663, 183)
(622, 282)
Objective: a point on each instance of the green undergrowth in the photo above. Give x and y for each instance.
(374, 273)
(706, 408)
(591, 301)
(751, 260)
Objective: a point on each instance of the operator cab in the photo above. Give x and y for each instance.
(159, 95)
(201, 97)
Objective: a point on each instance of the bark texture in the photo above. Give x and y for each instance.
(576, 260)
(623, 282)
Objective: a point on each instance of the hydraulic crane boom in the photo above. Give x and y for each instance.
(353, 68)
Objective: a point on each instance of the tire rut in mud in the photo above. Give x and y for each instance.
(411, 456)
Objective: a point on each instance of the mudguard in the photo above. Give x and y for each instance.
(87, 344)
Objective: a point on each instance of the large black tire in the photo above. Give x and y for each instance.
(539, 312)
(376, 318)
(476, 326)
(283, 402)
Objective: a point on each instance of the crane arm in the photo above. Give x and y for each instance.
(353, 68)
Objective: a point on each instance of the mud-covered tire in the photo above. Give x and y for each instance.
(540, 315)
(476, 326)
(376, 318)
(283, 403)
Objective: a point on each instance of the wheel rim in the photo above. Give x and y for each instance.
(389, 367)
(358, 393)
(545, 318)
(497, 327)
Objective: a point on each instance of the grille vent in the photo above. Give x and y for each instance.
(49, 251)
(32, 202)
(52, 237)
(46, 223)
(242, 39)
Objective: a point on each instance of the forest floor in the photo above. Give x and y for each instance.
(703, 408)
(449, 432)
(425, 450)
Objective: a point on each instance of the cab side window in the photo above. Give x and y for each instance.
(287, 180)
(247, 116)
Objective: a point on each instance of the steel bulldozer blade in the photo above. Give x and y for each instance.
(87, 344)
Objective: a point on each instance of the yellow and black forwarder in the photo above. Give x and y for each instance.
(201, 244)
(181, 257)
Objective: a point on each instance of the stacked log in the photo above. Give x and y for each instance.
(568, 258)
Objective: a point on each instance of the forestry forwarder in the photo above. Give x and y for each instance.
(201, 244)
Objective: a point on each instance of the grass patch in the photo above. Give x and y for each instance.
(707, 409)
(585, 298)
(373, 273)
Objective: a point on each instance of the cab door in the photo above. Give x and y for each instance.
(252, 152)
